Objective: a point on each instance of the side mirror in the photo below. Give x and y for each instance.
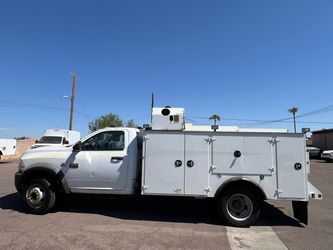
(77, 147)
(305, 130)
(65, 142)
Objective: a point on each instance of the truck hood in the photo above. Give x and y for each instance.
(39, 145)
(49, 157)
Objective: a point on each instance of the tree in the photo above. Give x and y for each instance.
(131, 124)
(108, 120)
(293, 110)
(215, 117)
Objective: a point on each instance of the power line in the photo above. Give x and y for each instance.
(282, 120)
(40, 106)
(191, 118)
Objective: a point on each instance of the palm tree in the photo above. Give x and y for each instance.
(293, 110)
(215, 117)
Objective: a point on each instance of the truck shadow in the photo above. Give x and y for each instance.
(162, 209)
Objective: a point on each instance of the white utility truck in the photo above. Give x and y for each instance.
(7, 147)
(236, 167)
(57, 137)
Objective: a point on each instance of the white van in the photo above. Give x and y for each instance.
(57, 137)
(7, 147)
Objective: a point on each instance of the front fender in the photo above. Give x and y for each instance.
(47, 170)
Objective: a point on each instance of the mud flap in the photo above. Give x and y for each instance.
(300, 209)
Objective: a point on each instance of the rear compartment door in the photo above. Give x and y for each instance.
(291, 168)
(163, 163)
(197, 163)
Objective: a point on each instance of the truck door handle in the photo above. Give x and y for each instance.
(73, 165)
(117, 158)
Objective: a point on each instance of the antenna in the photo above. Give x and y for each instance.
(152, 106)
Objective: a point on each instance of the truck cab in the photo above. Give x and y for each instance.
(104, 162)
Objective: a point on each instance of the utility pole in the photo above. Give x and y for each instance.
(72, 102)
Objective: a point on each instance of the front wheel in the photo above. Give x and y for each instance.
(38, 196)
(239, 207)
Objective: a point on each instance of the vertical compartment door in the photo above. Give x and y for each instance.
(163, 163)
(197, 163)
(291, 177)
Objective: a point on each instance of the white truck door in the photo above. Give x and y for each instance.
(291, 167)
(197, 163)
(102, 164)
(163, 163)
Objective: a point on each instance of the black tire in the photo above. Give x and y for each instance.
(38, 196)
(239, 207)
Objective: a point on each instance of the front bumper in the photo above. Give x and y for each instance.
(18, 181)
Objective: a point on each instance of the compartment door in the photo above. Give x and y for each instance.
(163, 163)
(291, 178)
(224, 160)
(197, 163)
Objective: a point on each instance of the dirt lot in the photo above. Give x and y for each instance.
(155, 223)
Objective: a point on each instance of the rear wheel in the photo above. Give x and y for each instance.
(239, 207)
(38, 196)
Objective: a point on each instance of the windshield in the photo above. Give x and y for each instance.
(50, 139)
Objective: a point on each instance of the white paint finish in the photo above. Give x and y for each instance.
(258, 155)
(197, 149)
(99, 173)
(168, 122)
(208, 128)
(71, 136)
(98, 169)
(224, 160)
(291, 183)
(8, 146)
(255, 237)
(160, 175)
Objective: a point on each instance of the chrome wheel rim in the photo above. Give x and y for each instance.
(239, 207)
(35, 196)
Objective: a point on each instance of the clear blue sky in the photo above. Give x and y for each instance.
(239, 59)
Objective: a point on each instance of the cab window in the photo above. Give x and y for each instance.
(105, 141)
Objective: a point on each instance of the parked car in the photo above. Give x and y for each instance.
(327, 155)
(314, 152)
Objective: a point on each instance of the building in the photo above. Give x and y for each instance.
(323, 139)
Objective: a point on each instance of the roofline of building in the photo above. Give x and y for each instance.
(323, 131)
